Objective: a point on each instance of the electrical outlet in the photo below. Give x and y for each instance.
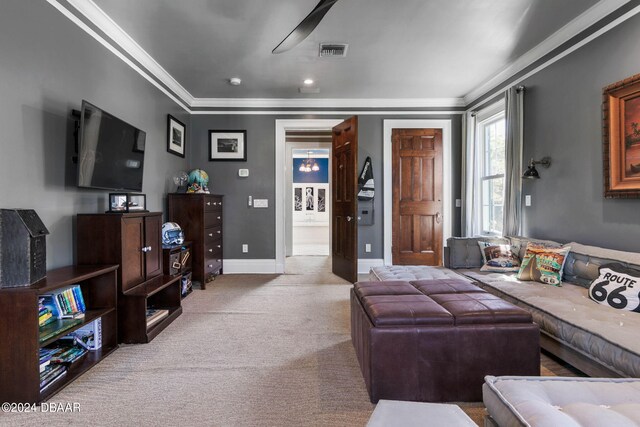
(367, 247)
(245, 248)
(458, 203)
(527, 200)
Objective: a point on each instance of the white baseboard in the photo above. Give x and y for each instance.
(250, 266)
(269, 266)
(365, 264)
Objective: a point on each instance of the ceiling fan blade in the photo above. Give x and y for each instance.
(305, 27)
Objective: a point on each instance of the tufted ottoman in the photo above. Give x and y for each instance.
(435, 340)
(560, 401)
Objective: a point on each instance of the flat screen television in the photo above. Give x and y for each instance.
(110, 151)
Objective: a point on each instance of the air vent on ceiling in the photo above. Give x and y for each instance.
(333, 50)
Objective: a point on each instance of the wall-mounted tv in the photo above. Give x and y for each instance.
(110, 151)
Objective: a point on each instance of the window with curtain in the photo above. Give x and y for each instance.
(490, 142)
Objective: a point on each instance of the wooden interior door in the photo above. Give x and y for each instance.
(417, 196)
(344, 206)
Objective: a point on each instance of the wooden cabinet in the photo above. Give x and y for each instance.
(132, 240)
(21, 338)
(200, 216)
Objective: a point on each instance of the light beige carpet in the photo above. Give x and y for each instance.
(251, 350)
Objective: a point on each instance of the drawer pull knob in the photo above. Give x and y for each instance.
(219, 260)
(210, 234)
(210, 265)
(218, 217)
(210, 250)
(218, 231)
(218, 246)
(146, 249)
(220, 203)
(208, 203)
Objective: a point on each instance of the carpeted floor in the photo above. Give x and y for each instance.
(251, 350)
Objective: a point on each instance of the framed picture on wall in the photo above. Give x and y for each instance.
(176, 136)
(621, 137)
(230, 145)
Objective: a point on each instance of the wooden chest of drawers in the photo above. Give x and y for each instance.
(200, 216)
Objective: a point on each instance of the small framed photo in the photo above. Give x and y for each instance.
(228, 145)
(176, 136)
(621, 129)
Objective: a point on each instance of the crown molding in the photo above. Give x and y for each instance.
(591, 16)
(151, 70)
(327, 103)
(338, 113)
(108, 26)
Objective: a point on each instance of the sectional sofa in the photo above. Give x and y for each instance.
(599, 340)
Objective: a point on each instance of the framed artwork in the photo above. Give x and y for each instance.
(309, 199)
(176, 136)
(297, 199)
(621, 137)
(230, 145)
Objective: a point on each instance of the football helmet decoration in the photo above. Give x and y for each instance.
(172, 234)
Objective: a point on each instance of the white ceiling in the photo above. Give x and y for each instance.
(397, 49)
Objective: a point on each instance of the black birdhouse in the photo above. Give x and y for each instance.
(23, 251)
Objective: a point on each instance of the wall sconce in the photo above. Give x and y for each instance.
(532, 172)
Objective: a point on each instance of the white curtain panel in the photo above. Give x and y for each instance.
(470, 191)
(514, 114)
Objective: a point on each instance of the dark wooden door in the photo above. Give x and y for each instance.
(153, 254)
(344, 206)
(417, 196)
(133, 243)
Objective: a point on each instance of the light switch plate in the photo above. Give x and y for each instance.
(367, 247)
(243, 173)
(458, 203)
(527, 200)
(260, 203)
(245, 248)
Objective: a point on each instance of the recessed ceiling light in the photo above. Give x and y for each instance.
(308, 82)
(235, 81)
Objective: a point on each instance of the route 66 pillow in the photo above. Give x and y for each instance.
(617, 287)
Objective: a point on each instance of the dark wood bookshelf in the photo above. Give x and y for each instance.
(162, 292)
(20, 333)
(132, 240)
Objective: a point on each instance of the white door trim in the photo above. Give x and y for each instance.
(280, 166)
(389, 125)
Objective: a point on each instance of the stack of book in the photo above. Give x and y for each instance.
(66, 354)
(154, 315)
(45, 358)
(50, 375)
(45, 316)
(65, 303)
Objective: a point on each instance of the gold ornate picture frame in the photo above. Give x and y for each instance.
(621, 137)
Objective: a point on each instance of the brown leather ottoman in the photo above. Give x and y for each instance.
(435, 340)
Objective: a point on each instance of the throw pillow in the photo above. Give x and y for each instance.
(498, 258)
(617, 287)
(543, 264)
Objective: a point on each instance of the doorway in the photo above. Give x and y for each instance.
(310, 195)
(284, 194)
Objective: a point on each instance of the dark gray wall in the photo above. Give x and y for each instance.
(47, 66)
(563, 106)
(257, 226)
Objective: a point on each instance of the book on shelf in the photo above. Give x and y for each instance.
(65, 303)
(66, 354)
(57, 327)
(154, 315)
